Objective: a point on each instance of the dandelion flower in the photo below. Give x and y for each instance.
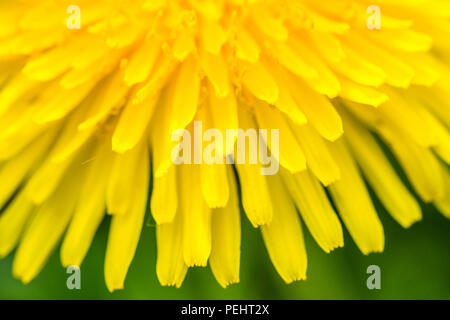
(86, 117)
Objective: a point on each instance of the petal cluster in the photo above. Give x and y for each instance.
(87, 116)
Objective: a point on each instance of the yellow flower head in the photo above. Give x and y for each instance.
(92, 90)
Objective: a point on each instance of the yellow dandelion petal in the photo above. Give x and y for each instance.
(226, 238)
(284, 238)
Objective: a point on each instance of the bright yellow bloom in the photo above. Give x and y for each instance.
(82, 112)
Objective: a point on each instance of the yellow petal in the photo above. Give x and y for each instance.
(170, 266)
(318, 157)
(119, 194)
(133, 123)
(90, 210)
(164, 202)
(13, 172)
(125, 229)
(13, 221)
(142, 62)
(46, 228)
(312, 202)
(318, 109)
(420, 164)
(184, 95)
(290, 154)
(354, 204)
(216, 70)
(283, 237)
(261, 83)
(226, 238)
(214, 182)
(196, 218)
(380, 175)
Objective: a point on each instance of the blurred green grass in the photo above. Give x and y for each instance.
(415, 265)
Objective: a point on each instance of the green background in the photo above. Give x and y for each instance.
(415, 265)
